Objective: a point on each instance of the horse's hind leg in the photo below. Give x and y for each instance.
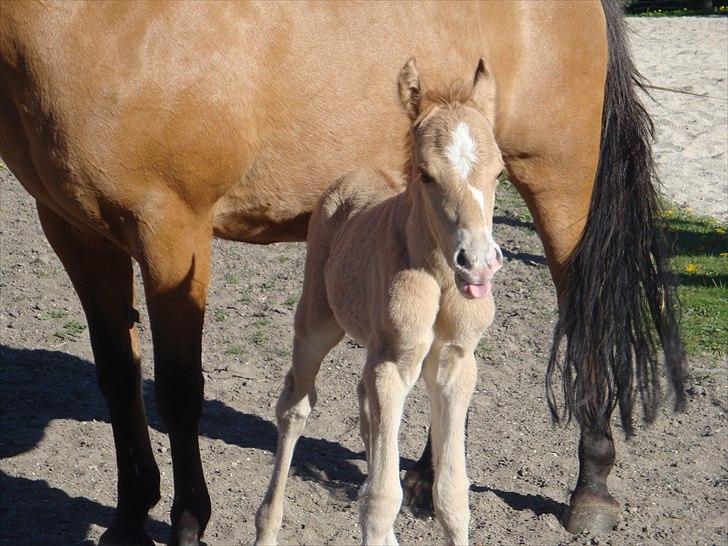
(546, 188)
(174, 256)
(316, 332)
(102, 276)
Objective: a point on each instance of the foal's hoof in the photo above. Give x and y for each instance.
(417, 492)
(119, 535)
(599, 515)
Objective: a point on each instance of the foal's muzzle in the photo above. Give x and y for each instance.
(475, 266)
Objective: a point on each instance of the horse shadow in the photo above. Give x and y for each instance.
(538, 504)
(33, 512)
(39, 386)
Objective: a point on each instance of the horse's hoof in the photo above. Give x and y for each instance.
(117, 534)
(592, 515)
(417, 492)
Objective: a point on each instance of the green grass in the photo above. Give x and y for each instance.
(231, 278)
(700, 248)
(72, 331)
(508, 203)
(234, 350)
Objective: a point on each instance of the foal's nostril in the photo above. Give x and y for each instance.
(498, 255)
(462, 259)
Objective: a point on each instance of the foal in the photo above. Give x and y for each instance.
(407, 274)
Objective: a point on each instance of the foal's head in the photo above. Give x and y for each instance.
(455, 163)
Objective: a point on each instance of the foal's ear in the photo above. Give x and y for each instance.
(484, 90)
(408, 85)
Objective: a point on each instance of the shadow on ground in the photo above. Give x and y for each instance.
(38, 386)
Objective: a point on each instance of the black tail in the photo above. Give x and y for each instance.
(618, 296)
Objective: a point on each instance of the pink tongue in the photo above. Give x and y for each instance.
(478, 290)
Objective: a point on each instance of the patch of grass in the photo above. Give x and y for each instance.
(245, 299)
(290, 302)
(231, 278)
(700, 248)
(53, 314)
(219, 314)
(267, 285)
(509, 206)
(233, 350)
(258, 337)
(72, 330)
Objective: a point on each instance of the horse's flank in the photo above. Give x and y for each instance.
(228, 117)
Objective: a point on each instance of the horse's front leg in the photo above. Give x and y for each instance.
(174, 251)
(450, 383)
(103, 277)
(386, 385)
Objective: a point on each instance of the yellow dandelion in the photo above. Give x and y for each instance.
(720, 230)
(669, 213)
(691, 268)
(724, 254)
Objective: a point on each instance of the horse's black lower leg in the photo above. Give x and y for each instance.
(118, 374)
(417, 483)
(103, 278)
(418, 480)
(592, 507)
(179, 399)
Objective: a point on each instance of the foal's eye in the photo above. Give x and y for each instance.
(426, 178)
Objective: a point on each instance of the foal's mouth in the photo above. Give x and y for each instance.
(473, 289)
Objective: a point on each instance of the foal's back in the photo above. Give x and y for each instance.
(356, 241)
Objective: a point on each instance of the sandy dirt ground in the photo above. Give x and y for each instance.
(688, 54)
(57, 469)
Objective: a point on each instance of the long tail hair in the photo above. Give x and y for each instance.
(618, 299)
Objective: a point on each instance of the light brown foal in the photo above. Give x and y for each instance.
(408, 275)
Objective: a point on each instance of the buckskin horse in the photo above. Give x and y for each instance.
(142, 130)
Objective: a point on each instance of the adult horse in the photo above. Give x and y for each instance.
(143, 129)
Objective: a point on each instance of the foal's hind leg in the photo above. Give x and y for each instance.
(316, 333)
(450, 382)
(102, 276)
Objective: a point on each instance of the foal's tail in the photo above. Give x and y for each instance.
(618, 298)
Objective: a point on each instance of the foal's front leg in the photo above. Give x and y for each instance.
(450, 382)
(386, 385)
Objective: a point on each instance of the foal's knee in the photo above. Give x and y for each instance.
(295, 402)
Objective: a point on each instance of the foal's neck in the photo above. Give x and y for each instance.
(422, 247)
